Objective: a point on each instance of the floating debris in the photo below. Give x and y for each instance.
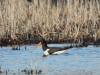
(31, 71)
(39, 72)
(16, 48)
(25, 47)
(0, 71)
(25, 70)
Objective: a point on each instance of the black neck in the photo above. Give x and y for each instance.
(44, 46)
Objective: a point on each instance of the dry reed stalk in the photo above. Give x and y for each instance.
(67, 18)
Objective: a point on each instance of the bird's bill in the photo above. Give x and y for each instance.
(38, 45)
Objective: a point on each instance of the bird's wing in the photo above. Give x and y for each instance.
(54, 49)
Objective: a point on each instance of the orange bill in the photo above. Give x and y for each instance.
(37, 45)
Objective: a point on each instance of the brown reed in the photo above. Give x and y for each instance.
(50, 19)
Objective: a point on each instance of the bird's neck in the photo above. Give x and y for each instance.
(44, 46)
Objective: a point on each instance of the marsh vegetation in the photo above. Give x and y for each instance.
(54, 20)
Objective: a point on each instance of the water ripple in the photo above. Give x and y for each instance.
(77, 61)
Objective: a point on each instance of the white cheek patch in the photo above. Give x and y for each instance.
(59, 52)
(46, 52)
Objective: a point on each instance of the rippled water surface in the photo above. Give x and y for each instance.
(75, 61)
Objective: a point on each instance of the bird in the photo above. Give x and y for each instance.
(52, 50)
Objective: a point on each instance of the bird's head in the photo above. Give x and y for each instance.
(43, 42)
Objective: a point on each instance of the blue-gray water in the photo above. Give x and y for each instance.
(75, 61)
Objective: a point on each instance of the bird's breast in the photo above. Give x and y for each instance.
(46, 52)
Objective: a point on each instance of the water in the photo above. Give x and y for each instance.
(75, 61)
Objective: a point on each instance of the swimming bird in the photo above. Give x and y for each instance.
(52, 50)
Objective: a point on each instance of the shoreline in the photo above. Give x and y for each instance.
(85, 41)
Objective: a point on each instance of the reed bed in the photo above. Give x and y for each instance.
(50, 19)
